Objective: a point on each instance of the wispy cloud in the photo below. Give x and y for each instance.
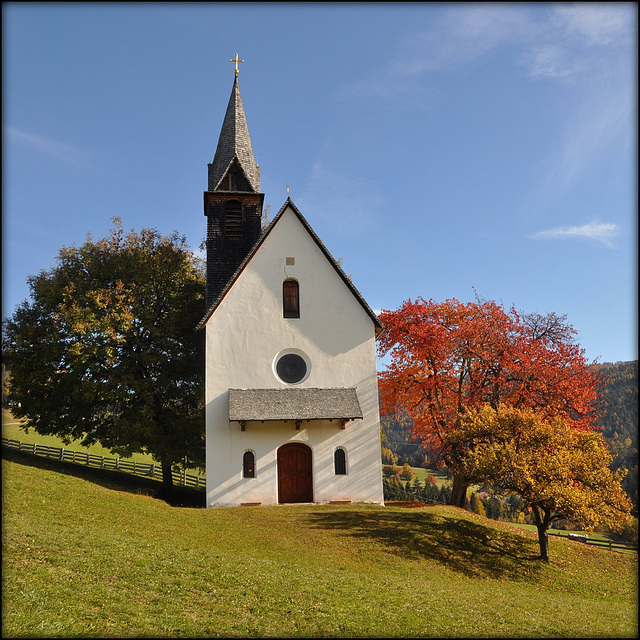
(601, 232)
(549, 61)
(577, 42)
(460, 36)
(595, 23)
(565, 42)
(45, 145)
(454, 38)
(588, 48)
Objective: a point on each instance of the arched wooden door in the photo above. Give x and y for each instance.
(295, 479)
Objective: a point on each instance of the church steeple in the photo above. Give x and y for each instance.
(234, 167)
(233, 202)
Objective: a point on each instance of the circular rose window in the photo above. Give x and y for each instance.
(291, 368)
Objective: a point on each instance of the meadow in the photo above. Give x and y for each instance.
(94, 553)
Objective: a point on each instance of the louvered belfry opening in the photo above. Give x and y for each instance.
(233, 219)
(233, 202)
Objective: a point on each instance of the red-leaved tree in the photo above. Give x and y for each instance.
(446, 357)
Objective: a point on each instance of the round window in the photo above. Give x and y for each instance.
(291, 368)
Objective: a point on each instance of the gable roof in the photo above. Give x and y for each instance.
(234, 143)
(379, 327)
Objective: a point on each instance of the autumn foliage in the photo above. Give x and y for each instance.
(448, 357)
(559, 471)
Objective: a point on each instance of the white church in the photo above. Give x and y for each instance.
(292, 412)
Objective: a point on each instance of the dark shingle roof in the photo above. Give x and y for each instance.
(234, 142)
(294, 404)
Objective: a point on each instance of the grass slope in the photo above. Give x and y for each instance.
(88, 553)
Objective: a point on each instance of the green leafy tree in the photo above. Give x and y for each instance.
(106, 348)
(5, 386)
(559, 471)
(494, 507)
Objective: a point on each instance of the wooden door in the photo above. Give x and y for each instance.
(295, 481)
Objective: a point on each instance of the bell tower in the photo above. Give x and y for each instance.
(233, 202)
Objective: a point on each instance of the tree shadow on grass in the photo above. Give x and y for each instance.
(459, 543)
(111, 479)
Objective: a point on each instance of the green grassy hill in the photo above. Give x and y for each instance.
(90, 553)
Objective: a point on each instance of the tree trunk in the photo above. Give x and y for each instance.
(543, 520)
(167, 478)
(459, 492)
(543, 539)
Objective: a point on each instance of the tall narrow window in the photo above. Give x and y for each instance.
(233, 219)
(340, 462)
(291, 299)
(248, 465)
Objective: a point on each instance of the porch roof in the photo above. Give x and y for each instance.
(294, 404)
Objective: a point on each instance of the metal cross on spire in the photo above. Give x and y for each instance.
(236, 60)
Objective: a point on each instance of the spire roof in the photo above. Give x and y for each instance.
(234, 143)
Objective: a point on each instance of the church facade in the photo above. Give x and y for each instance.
(292, 412)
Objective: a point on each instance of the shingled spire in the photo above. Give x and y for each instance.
(232, 204)
(234, 152)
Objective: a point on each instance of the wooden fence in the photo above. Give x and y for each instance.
(608, 544)
(150, 470)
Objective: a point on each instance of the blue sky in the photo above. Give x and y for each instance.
(439, 149)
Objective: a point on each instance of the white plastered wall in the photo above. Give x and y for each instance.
(245, 335)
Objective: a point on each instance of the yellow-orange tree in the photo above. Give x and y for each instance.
(447, 357)
(559, 471)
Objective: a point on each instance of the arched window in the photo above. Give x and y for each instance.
(290, 299)
(233, 219)
(248, 465)
(340, 462)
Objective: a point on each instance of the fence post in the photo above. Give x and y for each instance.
(61, 453)
(35, 448)
(102, 463)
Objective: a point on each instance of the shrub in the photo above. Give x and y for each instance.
(407, 472)
(476, 505)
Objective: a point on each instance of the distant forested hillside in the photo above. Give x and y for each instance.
(619, 424)
(619, 420)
